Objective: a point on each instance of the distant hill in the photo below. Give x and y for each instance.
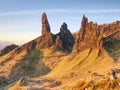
(4, 43)
(7, 49)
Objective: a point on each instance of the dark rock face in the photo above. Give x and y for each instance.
(7, 49)
(91, 34)
(66, 40)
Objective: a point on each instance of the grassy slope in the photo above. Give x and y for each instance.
(71, 68)
(6, 63)
(74, 67)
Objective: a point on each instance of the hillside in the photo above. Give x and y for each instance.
(73, 68)
(63, 60)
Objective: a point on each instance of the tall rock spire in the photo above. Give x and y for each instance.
(46, 40)
(83, 26)
(45, 24)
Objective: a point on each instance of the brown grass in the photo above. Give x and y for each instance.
(75, 66)
(100, 84)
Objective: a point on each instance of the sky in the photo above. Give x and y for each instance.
(20, 20)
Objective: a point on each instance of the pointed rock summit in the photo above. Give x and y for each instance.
(46, 40)
(83, 27)
(45, 24)
(66, 38)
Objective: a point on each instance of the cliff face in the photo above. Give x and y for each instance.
(91, 34)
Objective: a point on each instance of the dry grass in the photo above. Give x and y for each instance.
(74, 66)
(17, 85)
(100, 84)
(105, 83)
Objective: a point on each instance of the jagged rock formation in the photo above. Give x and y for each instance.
(65, 40)
(7, 49)
(45, 24)
(91, 34)
(46, 40)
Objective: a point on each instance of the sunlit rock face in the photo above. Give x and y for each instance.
(91, 34)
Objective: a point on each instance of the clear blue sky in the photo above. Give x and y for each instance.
(20, 20)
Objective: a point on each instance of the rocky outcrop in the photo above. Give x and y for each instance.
(83, 28)
(46, 40)
(45, 25)
(65, 40)
(91, 34)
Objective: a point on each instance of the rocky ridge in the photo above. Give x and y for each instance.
(92, 35)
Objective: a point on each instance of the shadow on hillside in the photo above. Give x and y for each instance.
(30, 66)
(45, 83)
(113, 48)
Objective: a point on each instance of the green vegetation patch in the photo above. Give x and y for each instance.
(113, 48)
(31, 66)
